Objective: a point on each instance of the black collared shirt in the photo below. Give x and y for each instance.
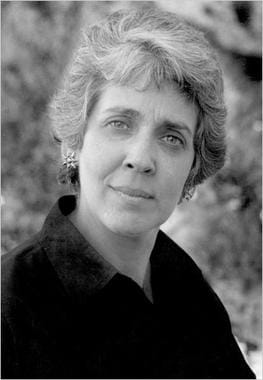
(67, 313)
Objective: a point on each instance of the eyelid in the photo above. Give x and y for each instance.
(118, 118)
(181, 140)
(122, 122)
(175, 134)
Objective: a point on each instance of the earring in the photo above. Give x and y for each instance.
(70, 160)
(189, 193)
(69, 173)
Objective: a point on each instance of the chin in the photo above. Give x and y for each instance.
(130, 227)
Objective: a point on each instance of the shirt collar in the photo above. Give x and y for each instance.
(80, 268)
(83, 271)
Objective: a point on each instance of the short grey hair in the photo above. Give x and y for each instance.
(138, 48)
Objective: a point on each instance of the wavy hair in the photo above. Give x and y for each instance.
(138, 48)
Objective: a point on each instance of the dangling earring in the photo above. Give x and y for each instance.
(69, 172)
(70, 160)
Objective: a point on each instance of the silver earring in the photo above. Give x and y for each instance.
(69, 172)
(70, 160)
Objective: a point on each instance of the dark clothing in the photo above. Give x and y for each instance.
(67, 313)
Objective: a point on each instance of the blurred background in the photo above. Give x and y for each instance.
(221, 226)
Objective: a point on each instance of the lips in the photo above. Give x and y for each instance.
(134, 193)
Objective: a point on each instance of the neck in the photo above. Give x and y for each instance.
(128, 254)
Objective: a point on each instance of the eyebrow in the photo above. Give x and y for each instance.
(132, 113)
(129, 112)
(175, 126)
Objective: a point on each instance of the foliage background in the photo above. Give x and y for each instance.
(221, 227)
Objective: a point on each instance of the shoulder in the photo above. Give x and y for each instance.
(27, 285)
(174, 263)
(20, 258)
(25, 271)
(187, 285)
(197, 311)
(174, 256)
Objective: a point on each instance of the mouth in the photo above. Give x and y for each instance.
(132, 193)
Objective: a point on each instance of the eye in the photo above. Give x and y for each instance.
(173, 140)
(118, 124)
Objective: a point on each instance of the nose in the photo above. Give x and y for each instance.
(140, 156)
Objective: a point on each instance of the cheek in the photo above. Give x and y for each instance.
(176, 176)
(98, 159)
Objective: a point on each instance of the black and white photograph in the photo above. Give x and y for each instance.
(131, 189)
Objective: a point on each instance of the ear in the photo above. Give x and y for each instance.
(191, 180)
(190, 184)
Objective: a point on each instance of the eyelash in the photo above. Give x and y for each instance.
(114, 123)
(176, 138)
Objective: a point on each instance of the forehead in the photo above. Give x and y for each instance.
(166, 102)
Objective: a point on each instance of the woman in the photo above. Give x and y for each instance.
(101, 292)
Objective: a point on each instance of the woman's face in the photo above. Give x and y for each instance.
(136, 156)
